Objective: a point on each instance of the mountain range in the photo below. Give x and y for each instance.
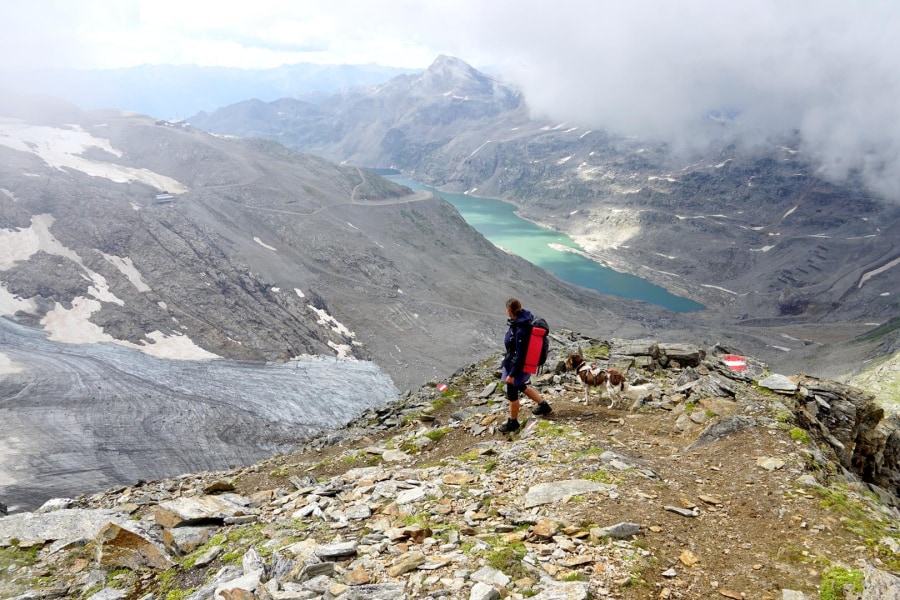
(758, 234)
(175, 91)
(256, 237)
(211, 271)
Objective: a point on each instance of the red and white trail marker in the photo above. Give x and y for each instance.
(442, 387)
(735, 362)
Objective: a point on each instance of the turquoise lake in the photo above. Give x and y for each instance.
(498, 222)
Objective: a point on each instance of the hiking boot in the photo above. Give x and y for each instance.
(542, 409)
(510, 426)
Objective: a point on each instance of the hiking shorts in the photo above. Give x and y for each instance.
(513, 390)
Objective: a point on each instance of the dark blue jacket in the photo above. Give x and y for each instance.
(516, 342)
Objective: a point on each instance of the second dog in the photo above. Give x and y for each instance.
(592, 376)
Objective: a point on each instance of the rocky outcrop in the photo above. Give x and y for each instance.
(423, 498)
(850, 423)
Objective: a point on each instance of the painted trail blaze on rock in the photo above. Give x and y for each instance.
(735, 362)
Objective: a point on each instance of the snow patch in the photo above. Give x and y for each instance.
(763, 249)
(721, 289)
(329, 321)
(62, 148)
(8, 194)
(788, 213)
(100, 289)
(10, 304)
(867, 276)
(22, 244)
(176, 347)
(479, 148)
(126, 268)
(72, 326)
(299, 292)
(564, 160)
(342, 350)
(264, 245)
(7, 366)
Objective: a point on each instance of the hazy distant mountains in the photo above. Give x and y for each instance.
(753, 233)
(170, 92)
(410, 123)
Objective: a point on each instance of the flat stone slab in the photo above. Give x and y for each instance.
(191, 511)
(779, 383)
(410, 496)
(620, 531)
(545, 493)
(337, 550)
(62, 526)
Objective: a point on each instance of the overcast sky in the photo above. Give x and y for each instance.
(830, 68)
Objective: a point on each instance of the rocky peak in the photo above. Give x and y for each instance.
(455, 79)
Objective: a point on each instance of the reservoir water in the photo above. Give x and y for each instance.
(552, 251)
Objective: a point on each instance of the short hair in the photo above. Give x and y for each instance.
(514, 306)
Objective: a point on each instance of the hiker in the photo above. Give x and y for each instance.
(516, 380)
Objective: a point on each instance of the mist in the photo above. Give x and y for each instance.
(829, 71)
(826, 72)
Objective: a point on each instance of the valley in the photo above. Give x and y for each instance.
(757, 234)
(263, 255)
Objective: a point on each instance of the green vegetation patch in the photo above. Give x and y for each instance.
(18, 557)
(551, 429)
(167, 583)
(436, 434)
(188, 561)
(508, 559)
(595, 352)
(834, 580)
(785, 416)
(592, 451)
(601, 476)
(799, 434)
(470, 456)
(858, 518)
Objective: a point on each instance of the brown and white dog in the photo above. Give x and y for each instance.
(592, 376)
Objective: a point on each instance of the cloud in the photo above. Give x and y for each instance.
(829, 69)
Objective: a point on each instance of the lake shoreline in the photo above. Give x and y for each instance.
(553, 250)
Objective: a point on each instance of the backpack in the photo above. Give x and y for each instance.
(538, 346)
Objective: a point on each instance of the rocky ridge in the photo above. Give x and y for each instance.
(712, 483)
